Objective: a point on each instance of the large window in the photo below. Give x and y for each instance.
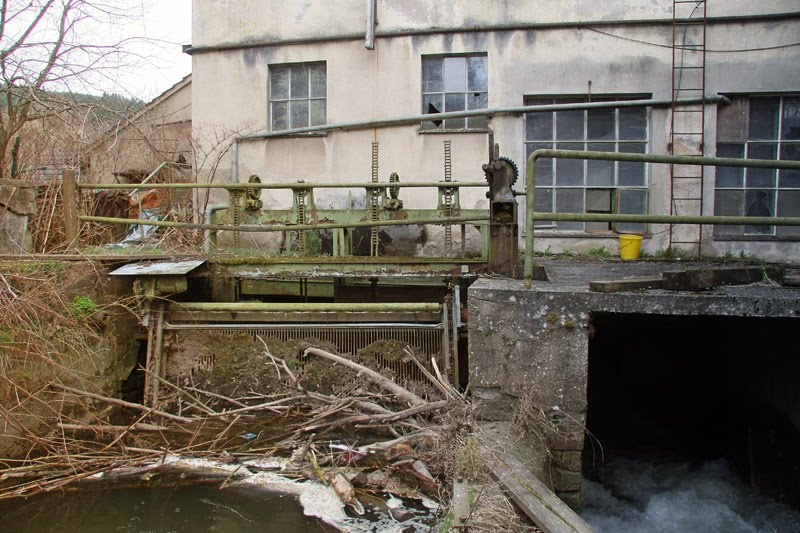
(455, 83)
(297, 95)
(758, 127)
(576, 186)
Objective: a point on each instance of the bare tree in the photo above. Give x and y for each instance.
(49, 46)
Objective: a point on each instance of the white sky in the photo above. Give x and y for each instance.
(169, 21)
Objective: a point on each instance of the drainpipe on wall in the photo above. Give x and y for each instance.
(372, 8)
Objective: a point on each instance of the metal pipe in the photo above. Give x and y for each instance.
(369, 41)
(410, 32)
(349, 326)
(313, 307)
(285, 227)
(516, 110)
(530, 189)
(717, 220)
(293, 186)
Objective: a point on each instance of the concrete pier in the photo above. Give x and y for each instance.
(534, 344)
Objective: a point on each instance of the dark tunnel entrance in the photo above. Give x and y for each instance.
(702, 387)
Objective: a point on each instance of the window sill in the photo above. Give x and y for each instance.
(757, 238)
(451, 131)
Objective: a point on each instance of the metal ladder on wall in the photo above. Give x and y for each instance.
(687, 135)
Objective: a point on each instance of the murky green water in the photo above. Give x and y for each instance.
(195, 508)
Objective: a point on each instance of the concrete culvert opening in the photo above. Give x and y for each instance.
(688, 402)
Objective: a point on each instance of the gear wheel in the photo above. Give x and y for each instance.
(513, 165)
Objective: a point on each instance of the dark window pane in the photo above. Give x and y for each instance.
(454, 102)
(759, 203)
(318, 112)
(761, 177)
(279, 83)
(569, 125)
(544, 200)
(432, 75)
(790, 178)
(764, 118)
(280, 115)
(432, 103)
(631, 174)
(788, 206)
(599, 201)
(455, 74)
(319, 85)
(298, 111)
(539, 126)
(632, 201)
(729, 203)
(600, 173)
(569, 172)
(299, 75)
(600, 124)
(633, 124)
(477, 101)
(569, 201)
(477, 74)
(732, 177)
(544, 204)
(791, 119)
(544, 165)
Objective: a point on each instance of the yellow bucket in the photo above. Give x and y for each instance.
(630, 246)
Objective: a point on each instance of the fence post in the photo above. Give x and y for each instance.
(69, 198)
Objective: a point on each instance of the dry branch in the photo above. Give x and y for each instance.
(385, 383)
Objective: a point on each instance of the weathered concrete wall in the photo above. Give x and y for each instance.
(231, 86)
(17, 205)
(533, 344)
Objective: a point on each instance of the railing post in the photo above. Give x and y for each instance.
(69, 198)
(530, 204)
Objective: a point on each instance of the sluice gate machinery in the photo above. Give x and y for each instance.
(347, 278)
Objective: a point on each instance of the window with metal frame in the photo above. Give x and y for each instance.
(297, 95)
(758, 127)
(455, 83)
(575, 186)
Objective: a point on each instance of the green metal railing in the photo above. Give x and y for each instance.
(532, 216)
(295, 187)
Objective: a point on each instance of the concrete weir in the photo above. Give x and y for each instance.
(535, 345)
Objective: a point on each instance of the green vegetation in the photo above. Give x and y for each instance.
(82, 307)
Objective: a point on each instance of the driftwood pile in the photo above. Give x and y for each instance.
(377, 438)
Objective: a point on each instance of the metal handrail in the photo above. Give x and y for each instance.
(292, 186)
(530, 192)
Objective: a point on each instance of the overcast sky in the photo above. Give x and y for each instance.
(171, 22)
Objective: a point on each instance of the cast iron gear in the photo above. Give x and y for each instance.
(513, 165)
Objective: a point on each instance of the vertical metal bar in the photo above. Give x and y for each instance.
(455, 319)
(530, 202)
(445, 339)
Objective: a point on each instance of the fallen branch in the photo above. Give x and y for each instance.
(104, 428)
(385, 383)
(122, 403)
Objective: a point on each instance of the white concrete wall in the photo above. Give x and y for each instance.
(230, 92)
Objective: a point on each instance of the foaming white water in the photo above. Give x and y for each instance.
(636, 495)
